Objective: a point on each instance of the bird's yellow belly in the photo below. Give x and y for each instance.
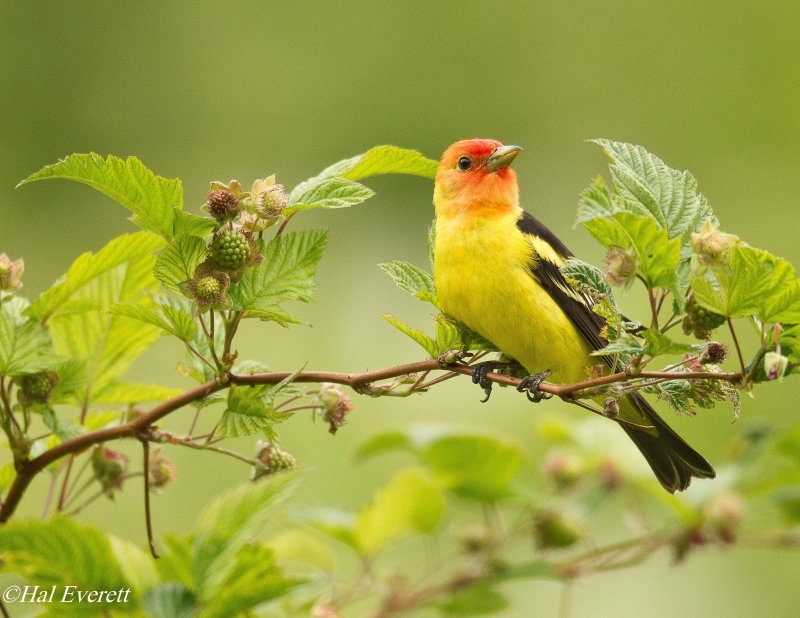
(483, 280)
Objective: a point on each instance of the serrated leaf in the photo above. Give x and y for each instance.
(627, 345)
(476, 467)
(87, 269)
(178, 261)
(409, 278)
(754, 282)
(231, 521)
(591, 277)
(449, 335)
(428, 344)
(595, 201)
(61, 552)
(110, 343)
(250, 578)
(138, 566)
(411, 502)
(286, 273)
(657, 257)
(192, 225)
(332, 192)
(171, 320)
(646, 184)
(25, 345)
(249, 411)
(149, 197)
(378, 160)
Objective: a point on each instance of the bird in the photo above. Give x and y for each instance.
(497, 271)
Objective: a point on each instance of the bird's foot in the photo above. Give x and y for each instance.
(479, 372)
(530, 385)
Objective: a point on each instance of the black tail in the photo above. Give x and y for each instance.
(671, 458)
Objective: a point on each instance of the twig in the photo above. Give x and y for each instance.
(28, 469)
(738, 349)
(146, 473)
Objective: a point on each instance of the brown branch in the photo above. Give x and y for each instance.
(358, 381)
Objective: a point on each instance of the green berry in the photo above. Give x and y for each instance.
(230, 249)
(208, 288)
(700, 321)
(38, 386)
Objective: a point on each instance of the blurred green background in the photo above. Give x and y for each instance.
(209, 91)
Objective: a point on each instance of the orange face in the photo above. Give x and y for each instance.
(474, 176)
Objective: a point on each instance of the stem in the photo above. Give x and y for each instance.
(738, 349)
(284, 224)
(62, 498)
(146, 473)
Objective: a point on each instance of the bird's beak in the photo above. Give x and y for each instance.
(502, 157)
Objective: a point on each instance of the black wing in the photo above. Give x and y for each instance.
(577, 306)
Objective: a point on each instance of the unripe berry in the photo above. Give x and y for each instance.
(109, 468)
(274, 459)
(229, 249)
(553, 530)
(37, 387)
(700, 321)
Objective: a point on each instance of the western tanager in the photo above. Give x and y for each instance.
(496, 269)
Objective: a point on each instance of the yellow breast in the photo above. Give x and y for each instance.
(483, 279)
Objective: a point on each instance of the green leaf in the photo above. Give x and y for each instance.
(449, 335)
(657, 257)
(61, 552)
(133, 392)
(176, 562)
(332, 192)
(645, 185)
(171, 320)
(138, 566)
(72, 375)
(178, 261)
(378, 160)
(627, 344)
(286, 273)
(383, 443)
(589, 279)
(659, 344)
(409, 278)
(249, 579)
(411, 502)
(474, 467)
(476, 600)
(230, 522)
(149, 197)
(25, 345)
(63, 429)
(109, 343)
(170, 600)
(191, 225)
(249, 411)
(417, 335)
(595, 201)
(87, 269)
(755, 282)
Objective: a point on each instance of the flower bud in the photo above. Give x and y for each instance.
(271, 201)
(273, 459)
(162, 472)
(775, 365)
(564, 468)
(554, 530)
(475, 538)
(712, 246)
(109, 468)
(335, 404)
(10, 273)
(724, 513)
(620, 267)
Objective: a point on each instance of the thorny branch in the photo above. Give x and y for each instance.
(360, 382)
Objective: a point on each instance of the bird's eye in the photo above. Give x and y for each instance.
(464, 163)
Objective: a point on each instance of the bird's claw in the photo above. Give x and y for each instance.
(479, 372)
(530, 385)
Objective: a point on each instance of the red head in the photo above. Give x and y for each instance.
(474, 176)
